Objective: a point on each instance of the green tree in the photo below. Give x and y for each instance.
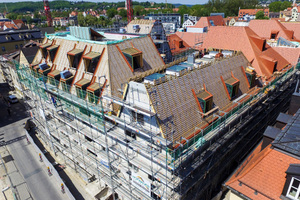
(285, 5)
(260, 15)
(275, 6)
(111, 12)
(138, 10)
(91, 20)
(81, 20)
(123, 13)
(36, 15)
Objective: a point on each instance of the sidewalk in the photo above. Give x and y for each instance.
(11, 177)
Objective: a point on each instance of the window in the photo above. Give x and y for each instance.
(52, 51)
(232, 86)
(17, 46)
(273, 36)
(52, 81)
(21, 46)
(138, 117)
(80, 93)
(294, 189)
(3, 48)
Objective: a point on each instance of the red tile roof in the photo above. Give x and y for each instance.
(264, 29)
(205, 21)
(252, 12)
(175, 46)
(10, 26)
(290, 54)
(194, 40)
(294, 26)
(18, 21)
(262, 57)
(263, 171)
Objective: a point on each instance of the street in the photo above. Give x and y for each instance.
(28, 175)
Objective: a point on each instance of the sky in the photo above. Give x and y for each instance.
(157, 1)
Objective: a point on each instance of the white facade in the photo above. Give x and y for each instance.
(188, 22)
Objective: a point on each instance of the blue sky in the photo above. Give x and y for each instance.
(158, 1)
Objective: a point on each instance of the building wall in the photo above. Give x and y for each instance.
(11, 46)
(231, 196)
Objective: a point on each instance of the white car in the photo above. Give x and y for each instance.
(13, 99)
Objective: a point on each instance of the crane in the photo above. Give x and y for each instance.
(129, 10)
(47, 12)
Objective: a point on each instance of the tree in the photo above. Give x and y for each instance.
(123, 13)
(275, 6)
(81, 20)
(285, 5)
(36, 15)
(138, 10)
(111, 12)
(260, 15)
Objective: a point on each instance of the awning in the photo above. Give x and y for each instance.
(75, 52)
(82, 82)
(54, 73)
(52, 47)
(132, 51)
(204, 95)
(91, 55)
(95, 86)
(231, 81)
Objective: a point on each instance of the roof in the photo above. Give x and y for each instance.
(294, 26)
(284, 118)
(91, 55)
(112, 63)
(194, 40)
(145, 26)
(271, 132)
(52, 47)
(54, 73)
(263, 171)
(264, 29)
(177, 111)
(207, 21)
(75, 51)
(257, 52)
(251, 11)
(174, 43)
(94, 86)
(30, 53)
(46, 45)
(82, 82)
(288, 139)
(231, 81)
(131, 51)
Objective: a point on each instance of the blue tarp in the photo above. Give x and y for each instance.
(65, 74)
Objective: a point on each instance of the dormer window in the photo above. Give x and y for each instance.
(274, 34)
(250, 74)
(74, 57)
(134, 57)
(21, 36)
(44, 49)
(232, 86)
(294, 189)
(204, 99)
(181, 44)
(52, 51)
(28, 35)
(8, 37)
(91, 60)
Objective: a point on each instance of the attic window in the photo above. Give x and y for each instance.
(137, 117)
(181, 44)
(134, 57)
(74, 57)
(44, 49)
(93, 91)
(8, 37)
(294, 189)
(274, 34)
(28, 35)
(91, 60)
(232, 86)
(21, 36)
(52, 51)
(81, 86)
(206, 101)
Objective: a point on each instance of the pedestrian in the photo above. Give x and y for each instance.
(8, 110)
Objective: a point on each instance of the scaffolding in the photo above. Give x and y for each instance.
(96, 144)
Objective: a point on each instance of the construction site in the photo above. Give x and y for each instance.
(116, 113)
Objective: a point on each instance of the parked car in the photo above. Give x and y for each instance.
(13, 99)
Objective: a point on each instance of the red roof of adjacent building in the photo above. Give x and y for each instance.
(290, 54)
(10, 26)
(264, 29)
(206, 21)
(18, 21)
(263, 171)
(177, 45)
(252, 12)
(294, 26)
(262, 57)
(194, 40)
